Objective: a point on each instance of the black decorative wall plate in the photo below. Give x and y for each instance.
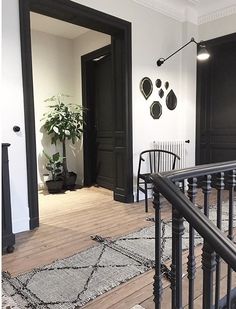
(146, 87)
(158, 83)
(161, 93)
(166, 85)
(171, 100)
(156, 110)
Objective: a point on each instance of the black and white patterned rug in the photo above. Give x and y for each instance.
(74, 281)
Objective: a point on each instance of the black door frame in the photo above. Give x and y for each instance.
(120, 30)
(202, 86)
(87, 71)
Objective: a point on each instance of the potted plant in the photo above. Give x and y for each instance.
(64, 122)
(54, 166)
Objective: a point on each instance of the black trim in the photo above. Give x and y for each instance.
(26, 58)
(123, 198)
(120, 30)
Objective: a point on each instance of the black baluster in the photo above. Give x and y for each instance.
(219, 185)
(176, 268)
(230, 183)
(192, 192)
(208, 266)
(208, 255)
(157, 285)
(173, 267)
(173, 264)
(206, 189)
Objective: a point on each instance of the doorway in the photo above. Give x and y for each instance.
(120, 32)
(216, 98)
(98, 101)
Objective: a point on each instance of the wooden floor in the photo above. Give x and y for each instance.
(66, 223)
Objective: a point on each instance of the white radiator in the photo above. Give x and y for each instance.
(177, 147)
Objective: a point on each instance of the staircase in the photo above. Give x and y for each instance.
(218, 255)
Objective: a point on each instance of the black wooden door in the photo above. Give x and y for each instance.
(103, 123)
(216, 102)
(98, 99)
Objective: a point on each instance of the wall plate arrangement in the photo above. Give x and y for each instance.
(146, 87)
(156, 110)
(171, 100)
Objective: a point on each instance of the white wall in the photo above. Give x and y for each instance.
(57, 69)
(188, 89)
(12, 100)
(217, 28)
(53, 73)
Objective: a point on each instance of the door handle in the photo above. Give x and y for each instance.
(16, 129)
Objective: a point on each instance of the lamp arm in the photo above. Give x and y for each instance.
(162, 60)
(192, 40)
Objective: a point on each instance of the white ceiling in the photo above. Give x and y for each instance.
(197, 11)
(56, 27)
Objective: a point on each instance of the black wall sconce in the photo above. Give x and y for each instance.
(202, 53)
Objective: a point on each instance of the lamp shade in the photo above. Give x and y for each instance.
(203, 53)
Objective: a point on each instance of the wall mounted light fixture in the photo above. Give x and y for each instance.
(202, 53)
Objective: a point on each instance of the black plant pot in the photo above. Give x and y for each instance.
(69, 181)
(54, 186)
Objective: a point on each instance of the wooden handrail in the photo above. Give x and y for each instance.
(200, 170)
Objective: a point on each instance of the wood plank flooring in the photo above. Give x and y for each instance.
(66, 223)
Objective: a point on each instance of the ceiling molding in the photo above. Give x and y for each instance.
(217, 14)
(190, 10)
(163, 9)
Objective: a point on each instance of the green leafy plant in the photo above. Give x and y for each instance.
(54, 165)
(63, 122)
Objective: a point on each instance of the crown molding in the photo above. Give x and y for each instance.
(163, 9)
(217, 14)
(188, 12)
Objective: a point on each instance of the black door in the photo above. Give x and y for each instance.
(103, 123)
(216, 102)
(99, 137)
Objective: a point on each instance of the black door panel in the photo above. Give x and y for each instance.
(216, 102)
(104, 122)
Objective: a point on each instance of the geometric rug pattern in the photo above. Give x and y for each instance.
(72, 282)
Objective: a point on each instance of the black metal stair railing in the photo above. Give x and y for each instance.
(180, 188)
